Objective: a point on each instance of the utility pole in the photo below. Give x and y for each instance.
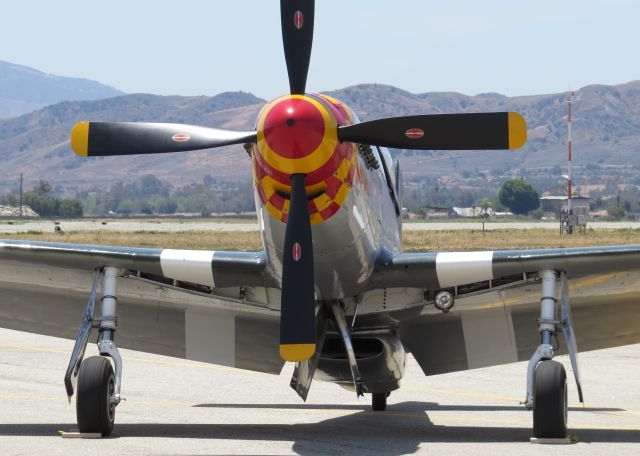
(20, 195)
(569, 140)
(567, 219)
(573, 218)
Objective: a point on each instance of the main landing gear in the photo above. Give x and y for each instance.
(96, 385)
(97, 381)
(550, 401)
(547, 379)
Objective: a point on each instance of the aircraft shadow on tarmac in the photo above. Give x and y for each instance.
(400, 431)
(424, 406)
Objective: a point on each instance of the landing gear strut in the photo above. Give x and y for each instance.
(98, 384)
(343, 328)
(547, 379)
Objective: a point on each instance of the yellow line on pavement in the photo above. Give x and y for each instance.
(177, 363)
(449, 392)
(33, 349)
(23, 397)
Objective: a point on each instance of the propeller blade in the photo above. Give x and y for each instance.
(297, 37)
(297, 311)
(95, 139)
(478, 131)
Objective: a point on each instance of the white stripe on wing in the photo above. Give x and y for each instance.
(188, 265)
(457, 268)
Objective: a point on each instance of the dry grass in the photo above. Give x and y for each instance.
(513, 239)
(213, 240)
(413, 240)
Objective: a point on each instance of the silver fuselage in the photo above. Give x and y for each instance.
(345, 246)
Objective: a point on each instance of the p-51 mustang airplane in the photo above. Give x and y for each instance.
(332, 290)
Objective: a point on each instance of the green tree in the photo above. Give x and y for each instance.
(150, 185)
(43, 188)
(519, 196)
(45, 205)
(70, 207)
(163, 205)
(537, 213)
(9, 199)
(127, 206)
(485, 204)
(617, 212)
(497, 205)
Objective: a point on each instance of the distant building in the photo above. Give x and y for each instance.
(553, 206)
(438, 214)
(473, 211)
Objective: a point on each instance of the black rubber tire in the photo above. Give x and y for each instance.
(96, 384)
(379, 402)
(550, 401)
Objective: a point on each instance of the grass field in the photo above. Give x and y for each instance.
(413, 240)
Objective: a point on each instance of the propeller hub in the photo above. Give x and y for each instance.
(297, 134)
(294, 128)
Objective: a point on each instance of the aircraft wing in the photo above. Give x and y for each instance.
(165, 304)
(449, 269)
(204, 267)
(497, 302)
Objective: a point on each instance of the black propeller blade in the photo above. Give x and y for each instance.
(297, 37)
(93, 139)
(297, 312)
(493, 130)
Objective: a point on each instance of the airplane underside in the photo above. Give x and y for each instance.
(363, 343)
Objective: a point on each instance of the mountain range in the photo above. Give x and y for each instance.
(606, 131)
(24, 89)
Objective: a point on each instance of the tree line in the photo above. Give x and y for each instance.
(42, 200)
(151, 195)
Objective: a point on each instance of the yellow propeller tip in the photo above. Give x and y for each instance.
(80, 139)
(297, 352)
(517, 131)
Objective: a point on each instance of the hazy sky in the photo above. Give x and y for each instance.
(193, 47)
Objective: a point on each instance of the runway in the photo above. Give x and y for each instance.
(181, 407)
(123, 225)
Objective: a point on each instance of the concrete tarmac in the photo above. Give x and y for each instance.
(124, 225)
(177, 407)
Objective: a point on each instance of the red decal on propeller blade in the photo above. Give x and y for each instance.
(414, 133)
(296, 251)
(298, 19)
(181, 137)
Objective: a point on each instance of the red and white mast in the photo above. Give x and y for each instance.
(569, 191)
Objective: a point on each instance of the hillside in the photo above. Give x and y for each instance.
(606, 131)
(24, 89)
(37, 144)
(606, 125)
